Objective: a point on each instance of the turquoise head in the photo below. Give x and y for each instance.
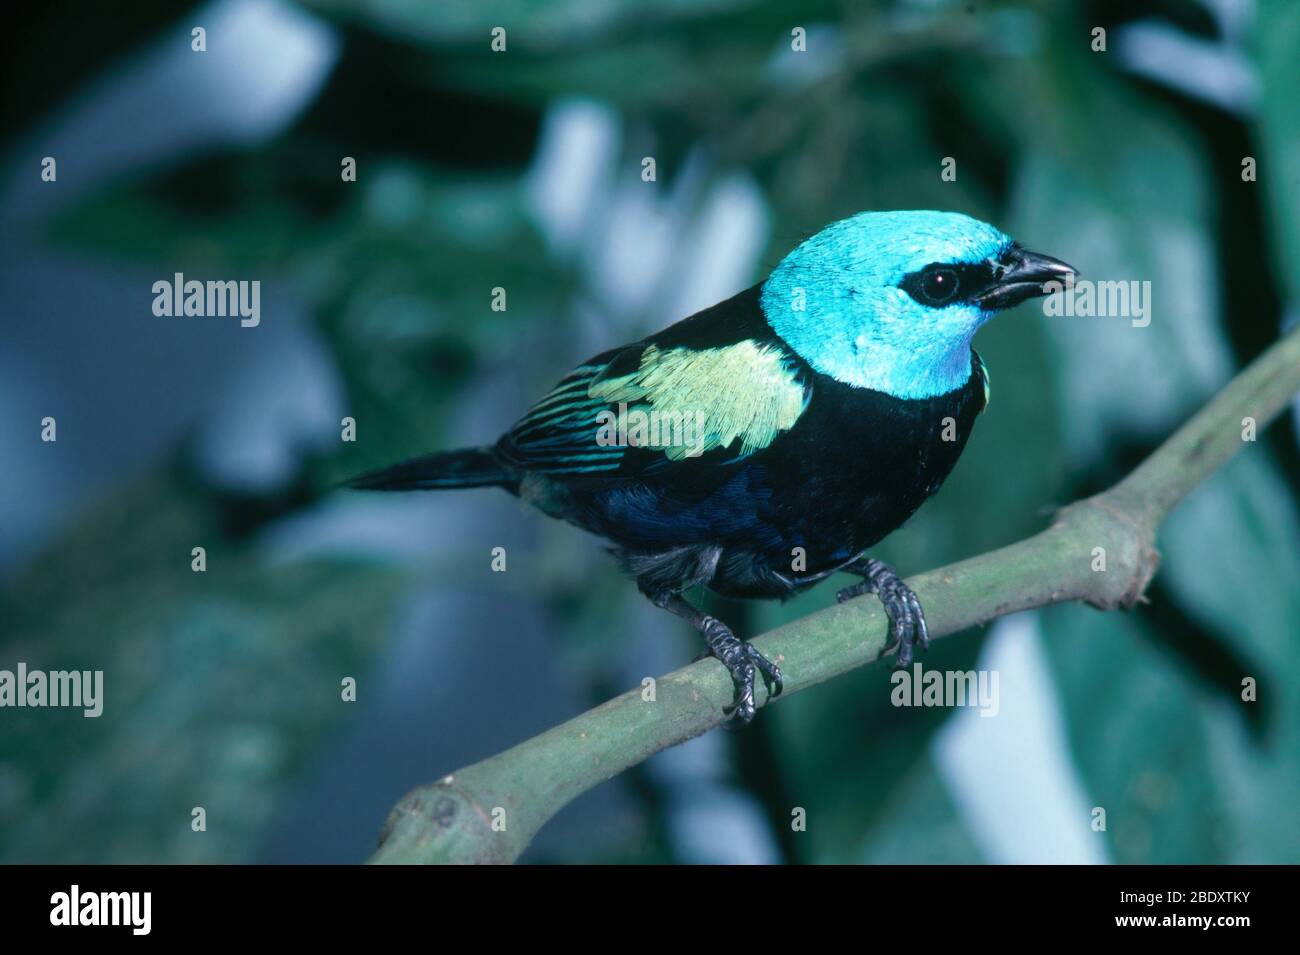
(891, 300)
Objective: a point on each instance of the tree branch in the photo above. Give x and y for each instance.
(452, 820)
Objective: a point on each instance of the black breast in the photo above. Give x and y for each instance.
(858, 464)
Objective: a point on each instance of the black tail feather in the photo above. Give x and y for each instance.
(467, 467)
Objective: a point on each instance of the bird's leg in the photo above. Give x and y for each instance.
(906, 619)
(735, 654)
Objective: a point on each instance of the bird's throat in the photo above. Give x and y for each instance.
(933, 369)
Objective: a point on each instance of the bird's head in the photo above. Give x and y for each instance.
(891, 300)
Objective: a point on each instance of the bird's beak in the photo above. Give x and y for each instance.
(1022, 275)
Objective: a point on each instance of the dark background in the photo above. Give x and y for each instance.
(522, 170)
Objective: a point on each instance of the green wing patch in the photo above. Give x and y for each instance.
(744, 394)
(680, 401)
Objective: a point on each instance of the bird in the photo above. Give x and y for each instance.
(767, 442)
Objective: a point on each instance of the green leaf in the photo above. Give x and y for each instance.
(1139, 730)
(1277, 50)
(920, 826)
(1224, 549)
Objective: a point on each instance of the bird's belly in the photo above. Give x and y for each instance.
(835, 515)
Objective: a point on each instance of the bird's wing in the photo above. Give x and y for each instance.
(641, 408)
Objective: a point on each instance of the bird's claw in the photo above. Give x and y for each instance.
(770, 671)
(907, 627)
(741, 660)
(856, 590)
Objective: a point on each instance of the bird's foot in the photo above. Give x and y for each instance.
(907, 628)
(741, 660)
(856, 590)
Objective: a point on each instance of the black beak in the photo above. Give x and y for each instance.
(1022, 275)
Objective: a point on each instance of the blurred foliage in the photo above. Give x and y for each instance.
(1124, 177)
(212, 681)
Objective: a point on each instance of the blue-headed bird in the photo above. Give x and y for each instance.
(763, 444)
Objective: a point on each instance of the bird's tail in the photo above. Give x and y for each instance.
(467, 467)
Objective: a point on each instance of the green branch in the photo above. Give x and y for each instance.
(490, 811)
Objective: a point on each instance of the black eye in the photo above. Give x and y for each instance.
(939, 284)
